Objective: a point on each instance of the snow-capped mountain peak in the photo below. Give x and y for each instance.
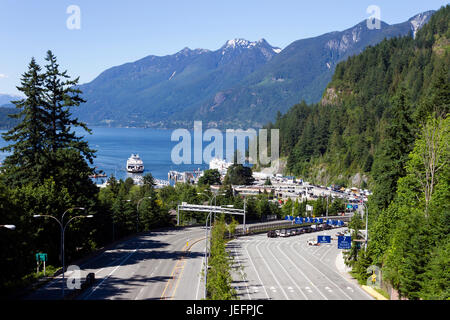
(246, 44)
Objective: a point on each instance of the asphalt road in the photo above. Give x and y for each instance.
(163, 265)
(290, 269)
(148, 266)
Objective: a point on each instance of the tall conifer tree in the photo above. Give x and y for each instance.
(27, 156)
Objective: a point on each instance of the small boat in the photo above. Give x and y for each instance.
(98, 175)
(135, 164)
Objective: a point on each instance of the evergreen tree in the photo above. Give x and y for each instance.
(238, 174)
(61, 94)
(389, 166)
(27, 160)
(210, 177)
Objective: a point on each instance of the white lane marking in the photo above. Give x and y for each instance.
(66, 274)
(304, 275)
(199, 279)
(271, 272)
(123, 261)
(287, 273)
(322, 274)
(141, 291)
(325, 254)
(98, 286)
(257, 274)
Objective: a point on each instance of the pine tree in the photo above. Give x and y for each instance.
(60, 95)
(28, 150)
(389, 165)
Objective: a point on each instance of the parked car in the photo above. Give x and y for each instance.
(308, 229)
(277, 232)
(271, 234)
(284, 233)
(312, 242)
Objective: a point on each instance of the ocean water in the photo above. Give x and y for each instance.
(115, 145)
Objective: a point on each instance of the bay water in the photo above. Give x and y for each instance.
(115, 145)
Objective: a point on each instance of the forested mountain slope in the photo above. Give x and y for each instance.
(385, 115)
(388, 85)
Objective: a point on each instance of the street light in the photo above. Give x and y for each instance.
(8, 226)
(367, 217)
(63, 229)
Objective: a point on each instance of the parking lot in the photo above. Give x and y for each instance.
(291, 267)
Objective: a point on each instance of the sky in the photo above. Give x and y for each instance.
(104, 33)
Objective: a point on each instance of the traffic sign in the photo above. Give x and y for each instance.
(324, 239)
(344, 242)
(298, 220)
(41, 257)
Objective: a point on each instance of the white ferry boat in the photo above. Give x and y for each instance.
(135, 164)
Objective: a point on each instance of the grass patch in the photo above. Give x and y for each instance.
(383, 293)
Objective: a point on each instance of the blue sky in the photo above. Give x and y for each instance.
(115, 32)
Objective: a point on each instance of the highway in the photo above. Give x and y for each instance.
(145, 267)
(168, 264)
(290, 269)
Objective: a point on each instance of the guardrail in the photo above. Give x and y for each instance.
(274, 225)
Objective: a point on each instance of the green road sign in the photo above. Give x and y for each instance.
(41, 257)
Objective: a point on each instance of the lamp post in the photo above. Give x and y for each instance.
(367, 220)
(63, 229)
(245, 205)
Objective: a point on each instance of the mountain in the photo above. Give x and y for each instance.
(5, 99)
(6, 108)
(301, 72)
(364, 127)
(241, 84)
(155, 89)
(5, 121)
